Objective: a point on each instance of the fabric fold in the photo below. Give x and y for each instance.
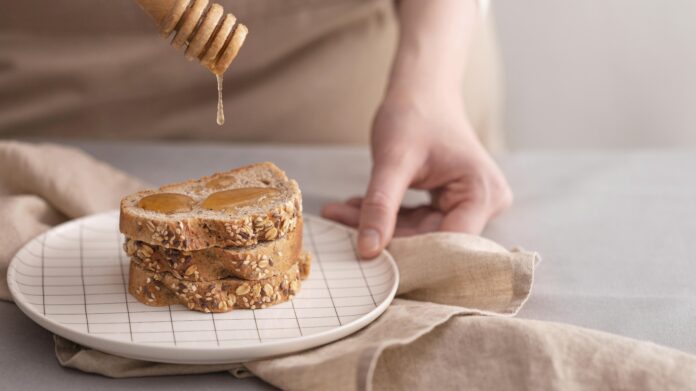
(72, 355)
(502, 353)
(463, 270)
(43, 185)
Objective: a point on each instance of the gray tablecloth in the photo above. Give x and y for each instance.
(615, 230)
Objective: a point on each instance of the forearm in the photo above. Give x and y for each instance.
(433, 45)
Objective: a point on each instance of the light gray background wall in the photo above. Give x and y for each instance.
(599, 73)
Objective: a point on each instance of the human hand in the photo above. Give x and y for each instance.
(424, 143)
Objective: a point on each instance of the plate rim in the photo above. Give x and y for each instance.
(215, 355)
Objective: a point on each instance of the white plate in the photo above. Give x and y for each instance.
(72, 281)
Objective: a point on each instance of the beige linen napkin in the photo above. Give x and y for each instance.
(44, 185)
(427, 338)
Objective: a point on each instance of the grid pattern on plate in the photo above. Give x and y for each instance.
(77, 275)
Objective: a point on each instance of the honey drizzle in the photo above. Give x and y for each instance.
(221, 182)
(220, 109)
(167, 203)
(229, 200)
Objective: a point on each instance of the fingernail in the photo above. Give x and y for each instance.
(368, 242)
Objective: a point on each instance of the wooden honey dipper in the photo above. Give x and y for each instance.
(212, 37)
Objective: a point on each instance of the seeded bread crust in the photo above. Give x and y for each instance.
(161, 289)
(201, 228)
(264, 260)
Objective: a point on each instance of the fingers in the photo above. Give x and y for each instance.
(406, 231)
(409, 221)
(467, 217)
(380, 206)
(415, 220)
(355, 201)
(422, 220)
(476, 205)
(343, 213)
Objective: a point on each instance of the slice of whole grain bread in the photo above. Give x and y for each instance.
(195, 227)
(160, 289)
(257, 262)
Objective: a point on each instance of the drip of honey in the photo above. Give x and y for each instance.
(220, 109)
(235, 198)
(221, 182)
(167, 203)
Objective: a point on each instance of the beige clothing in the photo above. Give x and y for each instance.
(434, 336)
(310, 71)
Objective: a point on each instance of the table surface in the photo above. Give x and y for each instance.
(615, 229)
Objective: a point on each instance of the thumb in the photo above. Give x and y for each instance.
(380, 206)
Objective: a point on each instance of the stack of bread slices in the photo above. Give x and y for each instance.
(226, 241)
